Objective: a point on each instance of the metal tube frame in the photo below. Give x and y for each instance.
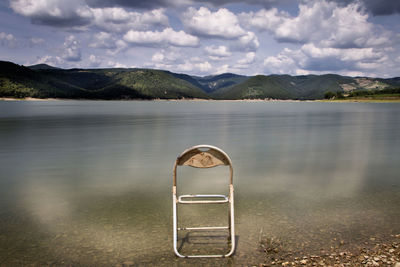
(225, 199)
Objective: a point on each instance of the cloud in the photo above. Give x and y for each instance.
(323, 22)
(94, 61)
(170, 57)
(115, 64)
(246, 62)
(382, 7)
(155, 38)
(55, 61)
(377, 8)
(103, 40)
(331, 38)
(247, 42)
(217, 52)
(120, 45)
(283, 63)
(312, 59)
(204, 66)
(173, 59)
(194, 67)
(148, 4)
(57, 13)
(36, 42)
(223, 69)
(119, 20)
(352, 54)
(250, 57)
(8, 40)
(221, 24)
(158, 57)
(151, 4)
(264, 19)
(334, 59)
(71, 50)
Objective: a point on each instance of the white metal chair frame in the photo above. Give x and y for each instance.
(203, 156)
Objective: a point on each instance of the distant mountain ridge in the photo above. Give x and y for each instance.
(42, 67)
(44, 81)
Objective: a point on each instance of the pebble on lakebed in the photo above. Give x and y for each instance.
(371, 253)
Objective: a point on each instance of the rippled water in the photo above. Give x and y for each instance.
(89, 182)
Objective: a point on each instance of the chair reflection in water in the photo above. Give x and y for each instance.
(204, 156)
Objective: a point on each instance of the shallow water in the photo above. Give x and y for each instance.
(89, 182)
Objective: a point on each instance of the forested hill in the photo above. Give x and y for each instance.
(43, 81)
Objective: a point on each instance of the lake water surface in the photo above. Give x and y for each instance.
(89, 182)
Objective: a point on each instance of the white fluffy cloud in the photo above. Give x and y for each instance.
(155, 38)
(283, 63)
(264, 19)
(247, 42)
(114, 64)
(222, 23)
(204, 66)
(322, 22)
(170, 57)
(245, 63)
(48, 59)
(8, 40)
(54, 12)
(36, 41)
(330, 38)
(250, 57)
(103, 40)
(119, 20)
(60, 13)
(174, 59)
(190, 65)
(71, 49)
(94, 61)
(217, 52)
(351, 54)
(312, 59)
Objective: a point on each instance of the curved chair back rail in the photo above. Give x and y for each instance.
(204, 156)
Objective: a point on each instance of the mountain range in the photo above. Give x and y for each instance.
(44, 81)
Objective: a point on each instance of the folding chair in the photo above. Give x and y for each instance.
(203, 156)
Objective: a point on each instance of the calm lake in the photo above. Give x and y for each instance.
(89, 182)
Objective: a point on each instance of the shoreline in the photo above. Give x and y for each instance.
(156, 100)
(210, 100)
(360, 101)
(374, 252)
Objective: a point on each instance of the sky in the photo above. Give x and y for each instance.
(296, 37)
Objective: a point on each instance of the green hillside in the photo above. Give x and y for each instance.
(216, 82)
(19, 81)
(42, 67)
(284, 87)
(44, 81)
(256, 87)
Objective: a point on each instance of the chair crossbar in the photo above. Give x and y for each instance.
(181, 198)
(204, 228)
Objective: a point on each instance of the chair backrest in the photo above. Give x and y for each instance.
(203, 156)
